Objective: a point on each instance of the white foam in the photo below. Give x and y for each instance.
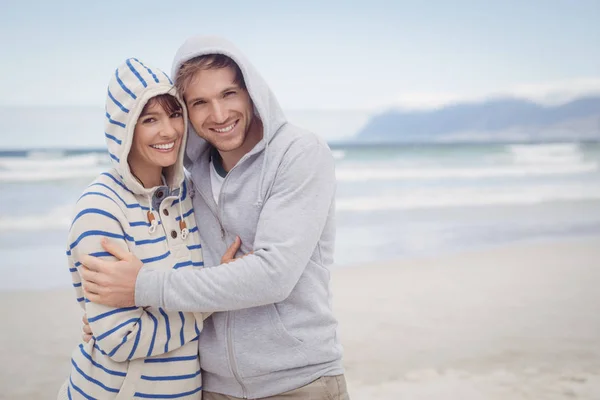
(471, 197)
(49, 174)
(50, 161)
(546, 154)
(51, 166)
(338, 154)
(57, 218)
(354, 174)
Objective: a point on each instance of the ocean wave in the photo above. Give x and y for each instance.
(47, 166)
(49, 175)
(546, 154)
(57, 218)
(471, 197)
(349, 174)
(45, 161)
(338, 154)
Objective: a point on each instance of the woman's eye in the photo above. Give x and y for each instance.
(176, 114)
(148, 120)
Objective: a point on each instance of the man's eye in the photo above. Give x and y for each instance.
(230, 93)
(198, 103)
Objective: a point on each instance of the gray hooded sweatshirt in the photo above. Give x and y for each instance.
(273, 330)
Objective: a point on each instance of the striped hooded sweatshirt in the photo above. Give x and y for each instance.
(136, 352)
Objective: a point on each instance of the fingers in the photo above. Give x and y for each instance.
(87, 334)
(113, 248)
(242, 256)
(93, 297)
(92, 263)
(91, 288)
(230, 252)
(88, 275)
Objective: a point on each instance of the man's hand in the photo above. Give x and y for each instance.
(111, 283)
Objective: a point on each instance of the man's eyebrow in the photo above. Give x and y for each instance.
(234, 86)
(230, 88)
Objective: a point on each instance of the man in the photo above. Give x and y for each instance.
(258, 177)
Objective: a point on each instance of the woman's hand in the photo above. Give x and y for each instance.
(229, 255)
(87, 331)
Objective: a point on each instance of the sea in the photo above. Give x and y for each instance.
(393, 201)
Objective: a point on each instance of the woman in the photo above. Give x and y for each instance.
(142, 203)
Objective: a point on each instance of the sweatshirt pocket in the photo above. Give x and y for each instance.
(279, 327)
(263, 344)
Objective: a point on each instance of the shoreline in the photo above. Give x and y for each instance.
(548, 240)
(515, 321)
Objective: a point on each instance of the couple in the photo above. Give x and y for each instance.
(172, 313)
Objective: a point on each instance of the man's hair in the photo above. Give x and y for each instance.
(208, 61)
(168, 103)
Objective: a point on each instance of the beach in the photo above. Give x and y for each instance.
(517, 321)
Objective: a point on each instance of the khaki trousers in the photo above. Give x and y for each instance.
(325, 388)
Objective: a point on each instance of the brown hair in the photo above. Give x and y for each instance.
(208, 61)
(168, 103)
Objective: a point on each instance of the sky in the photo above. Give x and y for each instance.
(355, 55)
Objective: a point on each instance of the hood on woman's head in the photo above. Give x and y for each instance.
(132, 85)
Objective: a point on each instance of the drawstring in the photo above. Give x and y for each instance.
(154, 221)
(182, 225)
(151, 217)
(259, 200)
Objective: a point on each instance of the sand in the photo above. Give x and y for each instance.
(516, 322)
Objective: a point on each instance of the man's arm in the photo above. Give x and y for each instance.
(289, 228)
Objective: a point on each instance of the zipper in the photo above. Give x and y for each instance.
(232, 362)
(218, 215)
(220, 205)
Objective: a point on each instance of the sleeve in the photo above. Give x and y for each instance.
(289, 228)
(121, 333)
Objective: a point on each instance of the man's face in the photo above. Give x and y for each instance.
(220, 110)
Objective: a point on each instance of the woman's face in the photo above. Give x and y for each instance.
(156, 138)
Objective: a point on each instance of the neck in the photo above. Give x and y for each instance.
(254, 135)
(148, 176)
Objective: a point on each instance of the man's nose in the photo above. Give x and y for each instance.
(219, 115)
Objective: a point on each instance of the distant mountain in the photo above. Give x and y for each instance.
(504, 119)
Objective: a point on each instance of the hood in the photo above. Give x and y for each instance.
(266, 106)
(130, 88)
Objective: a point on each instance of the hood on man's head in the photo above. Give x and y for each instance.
(265, 103)
(132, 85)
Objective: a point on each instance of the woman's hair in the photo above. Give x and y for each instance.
(168, 103)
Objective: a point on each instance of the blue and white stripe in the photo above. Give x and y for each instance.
(167, 342)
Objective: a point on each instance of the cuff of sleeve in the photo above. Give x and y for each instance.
(148, 288)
